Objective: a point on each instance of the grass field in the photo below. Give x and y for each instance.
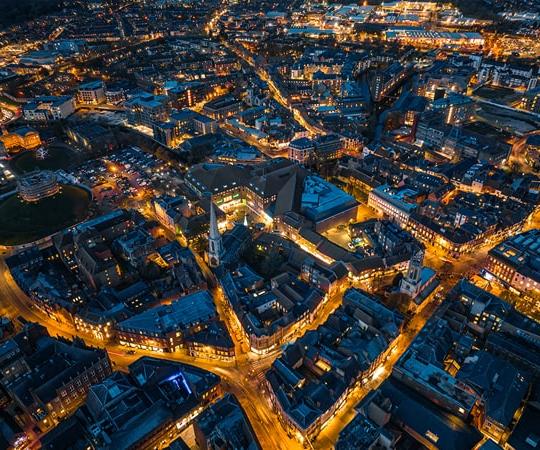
(57, 158)
(22, 222)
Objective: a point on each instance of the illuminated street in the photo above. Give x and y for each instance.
(242, 378)
(269, 225)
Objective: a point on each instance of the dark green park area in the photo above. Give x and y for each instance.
(22, 222)
(58, 157)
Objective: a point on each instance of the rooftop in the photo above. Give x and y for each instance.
(522, 252)
(180, 315)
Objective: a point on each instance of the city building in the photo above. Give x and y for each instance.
(93, 138)
(467, 220)
(422, 38)
(403, 415)
(272, 188)
(50, 378)
(222, 107)
(24, 138)
(424, 371)
(91, 93)
(270, 311)
(531, 100)
(385, 82)
(301, 149)
(204, 124)
(149, 406)
(115, 94)
(224, 424)
(502, 390)
(456, 108)
(532, 150)
(95, 261)
(328, 278)
(397, 204)
(46, 58)
(110, 226)
(166, 328)
(238, 155)
(514, 263)
(499, 73)
(361, 432)
(134, 247)
(169, 211)
(36, 185)
(146, 109)
(310, 381)
(492, 325)
(419, 280)
(48, 108)
(328, 147)
(215, 242)
(166, 133)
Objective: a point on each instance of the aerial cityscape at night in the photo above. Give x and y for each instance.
(269, 224)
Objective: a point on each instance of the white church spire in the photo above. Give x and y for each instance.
(215, 244)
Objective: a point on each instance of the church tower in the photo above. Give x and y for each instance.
(215, 244)
(411, 283)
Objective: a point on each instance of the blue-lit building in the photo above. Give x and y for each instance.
(148, 407)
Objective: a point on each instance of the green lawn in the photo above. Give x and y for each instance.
(22, 222)
(57, 158)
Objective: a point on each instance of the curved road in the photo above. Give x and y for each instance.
(241, 378)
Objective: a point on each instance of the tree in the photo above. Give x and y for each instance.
(272, 262)
(399, 301)
(150, 271)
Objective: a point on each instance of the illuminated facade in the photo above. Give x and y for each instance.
(91, 93)
(515, 263)
(301, 150)
(169, 210)
(54, 381)
(222, 107)
(215, 243)
(146, 109)
(20, 139)
(37, 185)
(272, 188)
(49, 108)
(304, 404)
(189, 322)
(278, 308)
(397, 204)
(387, 81)
(430, 39)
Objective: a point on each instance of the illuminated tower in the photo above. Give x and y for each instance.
(215, 244)
(412, 282)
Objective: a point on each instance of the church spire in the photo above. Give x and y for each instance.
(215, 245)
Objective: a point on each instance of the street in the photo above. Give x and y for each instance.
(242, 378)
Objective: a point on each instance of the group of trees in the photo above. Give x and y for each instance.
(266, 263)
(17, 11)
